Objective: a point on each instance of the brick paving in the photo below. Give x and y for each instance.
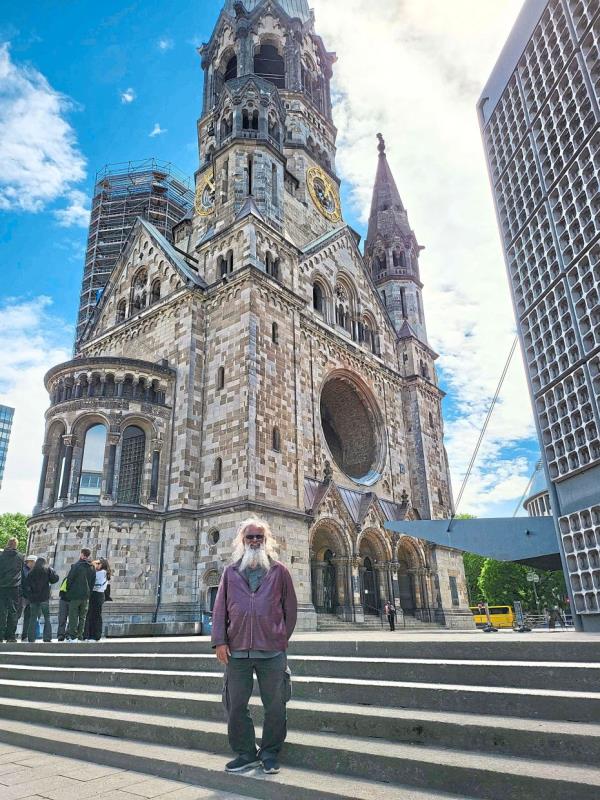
(31, 775)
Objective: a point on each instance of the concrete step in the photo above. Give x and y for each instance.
(504, 701)
(205, 768)
(575, 676)
(330, 763)
(478, 646)
(482, 735)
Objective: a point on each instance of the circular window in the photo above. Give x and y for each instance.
(213, 537)
(353, 429)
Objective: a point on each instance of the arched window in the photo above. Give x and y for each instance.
(131, 468)
(274, 187)
(272, 266)
(92, 465)
(431, 419)
(276, 440)
(245, 120)
(231, 69)
(318, 304)
(268, 64)
(155, 292)
(221, 267)
(381, 261)
(139, 291)
(275, 333)
(440, 497)
(121, 311)
(254, 120)
(221, 379)
(274, 128)
(218, 471)
(226, 125)
(229, 258)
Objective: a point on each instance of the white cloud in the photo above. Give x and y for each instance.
(77, 213)
(39, 155)
(128, 96)
(156, 131)
(31, 341)
(414, 71)
(164, 45)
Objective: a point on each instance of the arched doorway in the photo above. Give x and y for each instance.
(212, 597)
(329, 570)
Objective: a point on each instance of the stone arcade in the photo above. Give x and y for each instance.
(261, 364)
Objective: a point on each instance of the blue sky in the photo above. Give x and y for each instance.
(83, 84)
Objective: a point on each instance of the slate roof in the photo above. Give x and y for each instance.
(357, 503)
(294, 8)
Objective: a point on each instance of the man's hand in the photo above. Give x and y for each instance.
(223, 653)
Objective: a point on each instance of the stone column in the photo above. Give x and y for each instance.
(113, 441)
(318, 584)
(358, 611)
(43, 476)
(69, 444)
(381, 571)
(416, 581)
(119, 387)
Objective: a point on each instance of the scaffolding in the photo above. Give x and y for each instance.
(152, 189)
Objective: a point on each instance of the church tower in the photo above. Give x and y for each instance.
(259, 364)
(392, 254)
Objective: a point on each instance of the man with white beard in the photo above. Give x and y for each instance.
(253, 619)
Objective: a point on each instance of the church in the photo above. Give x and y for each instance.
(260, 363)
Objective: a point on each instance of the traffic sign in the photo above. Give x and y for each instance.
(533, 577)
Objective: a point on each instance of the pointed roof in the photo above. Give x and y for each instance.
(386, 205)
(293, 8)
(249, 208)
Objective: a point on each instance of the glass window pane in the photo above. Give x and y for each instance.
(92, 466)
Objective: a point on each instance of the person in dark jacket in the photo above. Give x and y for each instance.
(80, 582)
(93, 623)
(37, 589)
(253, 619)
(11, 574)
(24, 607)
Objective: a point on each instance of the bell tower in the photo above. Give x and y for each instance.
(266, 138)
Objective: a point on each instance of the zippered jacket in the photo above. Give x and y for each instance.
(263, 620)
(80, 581)
(36, 587)
(11, 569)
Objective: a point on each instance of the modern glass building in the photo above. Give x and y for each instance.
(6, 418)
(540, 120)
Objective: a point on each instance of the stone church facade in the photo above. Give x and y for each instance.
(260, 365)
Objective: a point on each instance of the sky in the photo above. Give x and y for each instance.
(83, 84)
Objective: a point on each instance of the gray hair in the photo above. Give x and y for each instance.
(239, 544)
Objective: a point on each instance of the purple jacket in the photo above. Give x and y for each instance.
(264, 620)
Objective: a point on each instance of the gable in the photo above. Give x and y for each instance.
(147, 271)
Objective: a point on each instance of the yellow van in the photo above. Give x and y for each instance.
(501, 616)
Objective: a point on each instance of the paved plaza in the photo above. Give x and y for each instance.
(32, 775)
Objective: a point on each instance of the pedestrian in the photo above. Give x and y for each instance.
(63, 612)
(93, 623)
(11, 577)
(37, 588)
(253, 619)
(24, 608)
(390, 612)
(80, 582)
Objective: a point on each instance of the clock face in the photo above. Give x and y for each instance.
(324, 194)
(205, 196)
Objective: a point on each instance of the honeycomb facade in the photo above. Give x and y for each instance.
(540, 119)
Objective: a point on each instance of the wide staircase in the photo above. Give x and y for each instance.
(418, 717)
(331, 622)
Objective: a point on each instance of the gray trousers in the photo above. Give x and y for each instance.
(274, 681)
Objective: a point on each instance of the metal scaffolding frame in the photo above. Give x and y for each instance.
(152, 189)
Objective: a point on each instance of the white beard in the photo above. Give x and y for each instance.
(254, 558)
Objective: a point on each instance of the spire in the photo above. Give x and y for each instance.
(386, 197)
(293, 8)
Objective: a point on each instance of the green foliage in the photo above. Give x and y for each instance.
(13, 525)
(504, 582)
(473, 566)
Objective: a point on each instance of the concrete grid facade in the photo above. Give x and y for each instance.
(6, 420)
(222, 358)
(540, 117)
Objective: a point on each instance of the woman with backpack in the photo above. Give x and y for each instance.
(93, 625)
(37, 591)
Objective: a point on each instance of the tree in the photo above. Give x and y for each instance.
(502, 582)
(13, 525)
(473, 566)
